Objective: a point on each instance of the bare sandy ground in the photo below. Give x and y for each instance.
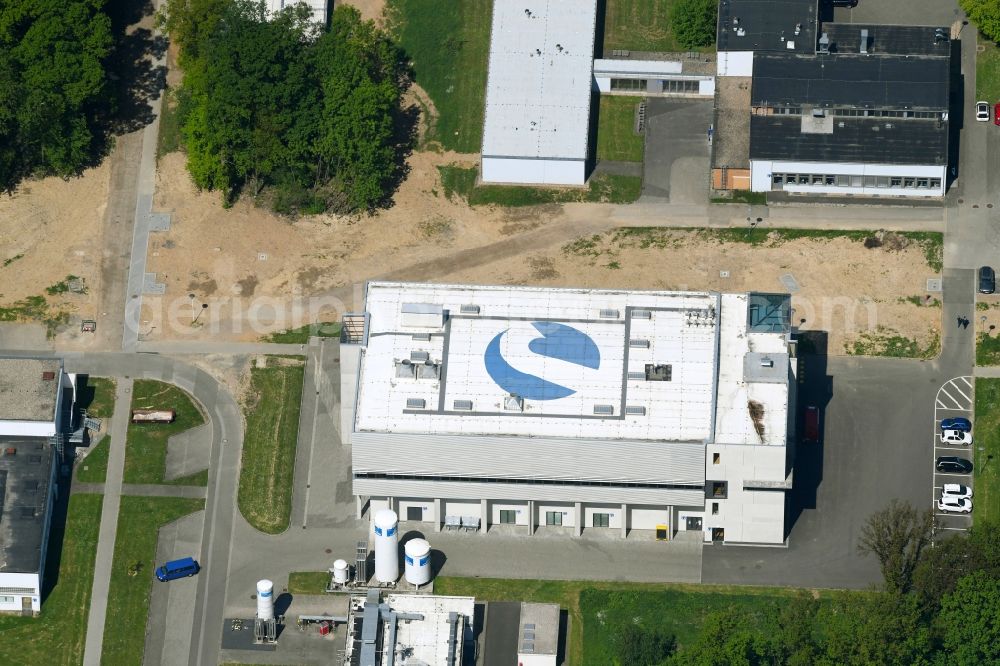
(370, 9)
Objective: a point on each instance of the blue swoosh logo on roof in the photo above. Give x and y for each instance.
(557, 341)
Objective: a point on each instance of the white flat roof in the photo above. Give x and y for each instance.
(576, 358)
(427, 640)
(540, 76)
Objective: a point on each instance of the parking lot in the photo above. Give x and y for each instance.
(954, 399)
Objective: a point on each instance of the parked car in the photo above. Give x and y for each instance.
(811, 433)
(956, 490)
(956, 437)
(982, 111)
(953, 465)
(987, 280)
(186, 566)
(952, 504)
(956, 424)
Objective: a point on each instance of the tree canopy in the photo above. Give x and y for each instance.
(53, 86)
(274, 106)
(897, 536)
(985, 14)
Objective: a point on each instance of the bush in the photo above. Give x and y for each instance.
(986, 15)
(639, 646)
(693, 22)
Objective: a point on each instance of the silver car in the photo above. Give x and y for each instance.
(983, 111)
(952, 504)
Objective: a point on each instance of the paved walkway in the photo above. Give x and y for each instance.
(230, 348)
(109, 525)
(987, 371)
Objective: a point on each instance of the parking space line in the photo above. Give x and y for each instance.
(960, 391)
(946, 401)
(968, 382)
(953, 529)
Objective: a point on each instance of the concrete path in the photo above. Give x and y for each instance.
(230, 348)
(188, 452)
(109, 525)
(987, 371)
(142, 490)
(145, 187)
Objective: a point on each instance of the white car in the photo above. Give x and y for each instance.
(951, 504)
(956, 490)
(983, 111)
(956, 437)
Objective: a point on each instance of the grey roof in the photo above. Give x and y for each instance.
(868, 140)
(769, 25)
(24, 394)
(853, 81)
(887, 39)
(539, 628)
(769, 313)
(25, 478)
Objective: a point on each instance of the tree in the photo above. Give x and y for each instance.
(942, 566)
(53, 86)
(693, 22)
(734, 637)
(986, 15)
(190, 23)
(873, 628)
(897, 536)
(641, 646)
(970, 620)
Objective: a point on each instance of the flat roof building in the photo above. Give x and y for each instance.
(538, 92)
(506, 403)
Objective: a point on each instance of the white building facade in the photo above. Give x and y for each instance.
(571, 408)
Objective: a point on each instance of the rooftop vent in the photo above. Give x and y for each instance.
(635, 410)
(766, 362)
(419, 356)
(513, 403)
(405, 369)
(637, 375)
(421, 337)
(422, 315)
(639, 344)
(604, 410)
(864, 40)
(642, 314)
(469, 308)
(462, 405)
(48, 376)
(609, 314)
(428, 370)
(416, 403)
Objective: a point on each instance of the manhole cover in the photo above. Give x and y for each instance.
(790, 283)
(934, 284)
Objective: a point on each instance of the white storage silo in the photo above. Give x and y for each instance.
(265, 600)
(386, 549)
(340, 573)
(417, 558)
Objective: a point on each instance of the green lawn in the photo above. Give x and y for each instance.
(987, 349)
(448, 45)
(461, 181)
(308, 582)
(987, 451)
(57, 636)
(132, 572)
(988, 72)
(616, 137)
(272, 417)
(146, 450)
(678, 608)
(94, 468)
(169, 139)
(301, 335)
(640, 25)
(97, 397)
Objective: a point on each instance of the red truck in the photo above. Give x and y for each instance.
(811, 430)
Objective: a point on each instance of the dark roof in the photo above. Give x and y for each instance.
(769, 313)
(869, 140)
(769, 25)
(25, 480)
(887, 39)
(500, 645)
(854, 81)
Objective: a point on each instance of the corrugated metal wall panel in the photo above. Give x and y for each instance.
(469, 490)
(529, 458)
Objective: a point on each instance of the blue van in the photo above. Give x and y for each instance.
(186, 566)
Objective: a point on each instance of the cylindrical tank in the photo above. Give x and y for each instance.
(340, 572)
(265, 600)
(417, 559)
(386, 548)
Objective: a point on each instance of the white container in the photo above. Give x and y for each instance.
(386, 546)
(340, 573)
(417, 559)
(265, 600)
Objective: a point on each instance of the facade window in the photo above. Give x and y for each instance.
(817, 179)
(718, 534)
(553, 518)
(716, 458)
(508, 516)
(843, 181)
(717, 490)
(778, 178)
(829, 180)
(869, 181)
(856, 181)
(908, 182)
(626, 85)
(936, 183)
(803, 179)
(881, 181)
(414, 513)
(715, 508)
(895, 182)
(922, 183)
(685, 86)
(602, 520)
(7, 600)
